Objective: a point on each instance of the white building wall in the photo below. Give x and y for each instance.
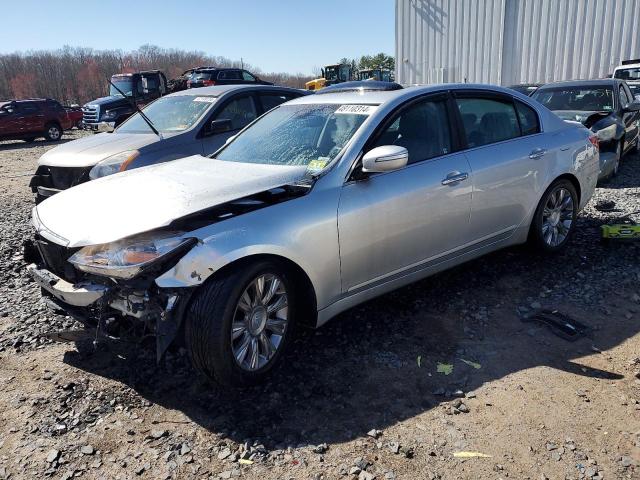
(513, 41)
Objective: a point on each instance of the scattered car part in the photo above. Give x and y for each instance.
(560, 324)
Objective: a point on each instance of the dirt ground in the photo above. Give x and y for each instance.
(394, 388)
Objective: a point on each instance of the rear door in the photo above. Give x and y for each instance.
(240, 110)
(392, 223)
(508, 158)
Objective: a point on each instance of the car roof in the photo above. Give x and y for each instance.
(219, 90)
(377, 97)
(600, 82)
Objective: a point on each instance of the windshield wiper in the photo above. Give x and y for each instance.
(135, 105)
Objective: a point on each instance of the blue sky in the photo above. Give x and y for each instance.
(276, 35)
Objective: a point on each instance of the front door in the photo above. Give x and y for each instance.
(630, 119)
(393, 222)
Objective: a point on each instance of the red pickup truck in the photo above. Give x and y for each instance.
(33, 118)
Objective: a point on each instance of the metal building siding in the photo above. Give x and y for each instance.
(448, 40)
(513, 41)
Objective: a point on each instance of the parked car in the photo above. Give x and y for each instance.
(188, 122)
(33, 118)
(322, 203)
(629, 71)
(209, 76)
(526, 88)
(607, 107)
(140, 88)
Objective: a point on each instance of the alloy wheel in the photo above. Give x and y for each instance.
(557, 217)
(260, 322)
(54, 133)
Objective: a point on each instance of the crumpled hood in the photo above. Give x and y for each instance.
(147, 198)
(87, 151)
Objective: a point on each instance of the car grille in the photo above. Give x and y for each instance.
(55, 258)
(59, 178)
(91, 113)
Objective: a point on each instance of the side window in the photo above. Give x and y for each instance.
(241, 111)
(528, 118)
(247, 77)
(270, 100)
(29, 109)
(423, 129)
(623, 98)
(487, 120)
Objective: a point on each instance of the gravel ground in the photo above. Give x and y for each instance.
(391, 389)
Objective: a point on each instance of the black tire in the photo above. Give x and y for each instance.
(210, 315)
(52, 132)
(536, 233)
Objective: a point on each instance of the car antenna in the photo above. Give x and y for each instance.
(135, 105)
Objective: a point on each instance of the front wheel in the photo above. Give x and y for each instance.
(53, 132)
(554, 219)
(239, 323)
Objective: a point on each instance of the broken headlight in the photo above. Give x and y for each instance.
(113, 164)
(127, 258)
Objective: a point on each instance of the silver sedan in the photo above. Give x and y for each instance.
(323, 203)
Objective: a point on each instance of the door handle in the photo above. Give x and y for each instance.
(537, 153)
(455, 177)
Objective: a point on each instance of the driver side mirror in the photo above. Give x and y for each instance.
(219, 126)
(633, 106)
(386, 158)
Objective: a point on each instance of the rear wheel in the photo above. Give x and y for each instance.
(239, 324)
(53, 132)
(554, 220)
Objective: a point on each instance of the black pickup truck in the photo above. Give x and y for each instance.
(108, 112)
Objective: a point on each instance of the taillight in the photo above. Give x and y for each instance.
(594, 141)
(208, 83)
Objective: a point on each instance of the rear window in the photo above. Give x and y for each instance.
(203, 76)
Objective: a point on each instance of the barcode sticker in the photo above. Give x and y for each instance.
(357, 109)
(205, 99)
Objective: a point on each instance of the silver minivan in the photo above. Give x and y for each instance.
(191, 122)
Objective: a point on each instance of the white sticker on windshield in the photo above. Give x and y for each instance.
(205, 99)
(357, 109)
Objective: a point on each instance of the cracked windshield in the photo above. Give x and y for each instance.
(169, 114)
(310, 135)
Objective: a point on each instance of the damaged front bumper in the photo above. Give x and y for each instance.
(93, 303)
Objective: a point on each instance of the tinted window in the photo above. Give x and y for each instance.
(270, 101)
(423, 129)
(246, 76)
(229, 75)
(487, 120)
(240, 111)
(528, 119)
(28, 108)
